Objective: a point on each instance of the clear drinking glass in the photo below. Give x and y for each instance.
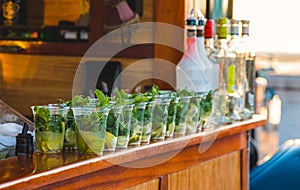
(171, 117)
(112, 128)
(181, 115)
(70, 136)
(193, 114)
(90, 129)
(159, 120)
(124, 126)
(147, 123)
(50, 128)
(137, 120)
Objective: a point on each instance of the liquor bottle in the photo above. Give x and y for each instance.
(212, 70)
(190, 71)
(235, 38)
(249, 70)
(234, 45)
(227, 62)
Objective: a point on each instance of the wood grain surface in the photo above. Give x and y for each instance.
(126, 168)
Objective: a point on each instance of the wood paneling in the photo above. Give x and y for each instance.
(69, 10)
(27, 80)
(222, 173)
(149, 185)
(169, 12)
(36, 80)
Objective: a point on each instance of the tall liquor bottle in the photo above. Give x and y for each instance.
(249, 70)
(212, 70)
(227, 61)
(234, 45)
(190, 71)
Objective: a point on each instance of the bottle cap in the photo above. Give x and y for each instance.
(209, 23)
(191, 21)
(234, 22)
(201, 22)
(209, 28)
(222, 28)
(222, 21)
(245, 27)
(24, 142)
(245, 21)
(234, 27)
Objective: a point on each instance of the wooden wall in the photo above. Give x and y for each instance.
(27, 80)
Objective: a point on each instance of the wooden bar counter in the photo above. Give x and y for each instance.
(216, 159)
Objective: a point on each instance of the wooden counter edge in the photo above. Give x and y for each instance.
(137, 153)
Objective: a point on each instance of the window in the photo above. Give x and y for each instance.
(274, 24)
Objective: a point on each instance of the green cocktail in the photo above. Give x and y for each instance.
(112, 128)
(124, 127)
(171, 117)
(193, 114)
(50, 128)
(159, 120)
(137, 124)
(181, 115)
(90, 128)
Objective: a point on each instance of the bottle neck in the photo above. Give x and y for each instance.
(201, 47)
(191, 43)
(200, 38)
(191, 52)
(222, 43)
(245, 31)
(245, 36)
(222, 32)
(222, 39)
(209, 43)
(191, 31)
(235, 39)
(191, 38)
(200, 31)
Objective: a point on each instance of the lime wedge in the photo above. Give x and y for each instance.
(122, 140)
(93, 140)
(55, 141)
(70, 135)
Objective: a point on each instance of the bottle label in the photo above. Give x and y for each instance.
(191, 33)
(231, 79)
(200, 33)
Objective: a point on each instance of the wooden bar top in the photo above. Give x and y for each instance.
(39, 169)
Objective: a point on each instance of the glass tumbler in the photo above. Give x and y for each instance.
(112, 128)
(124, 126)
(193, 114)
(159, 120)
(147, 123)
(50, 128)
(171, 117)
(181, 115)
(90, 128)
(137, 120)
